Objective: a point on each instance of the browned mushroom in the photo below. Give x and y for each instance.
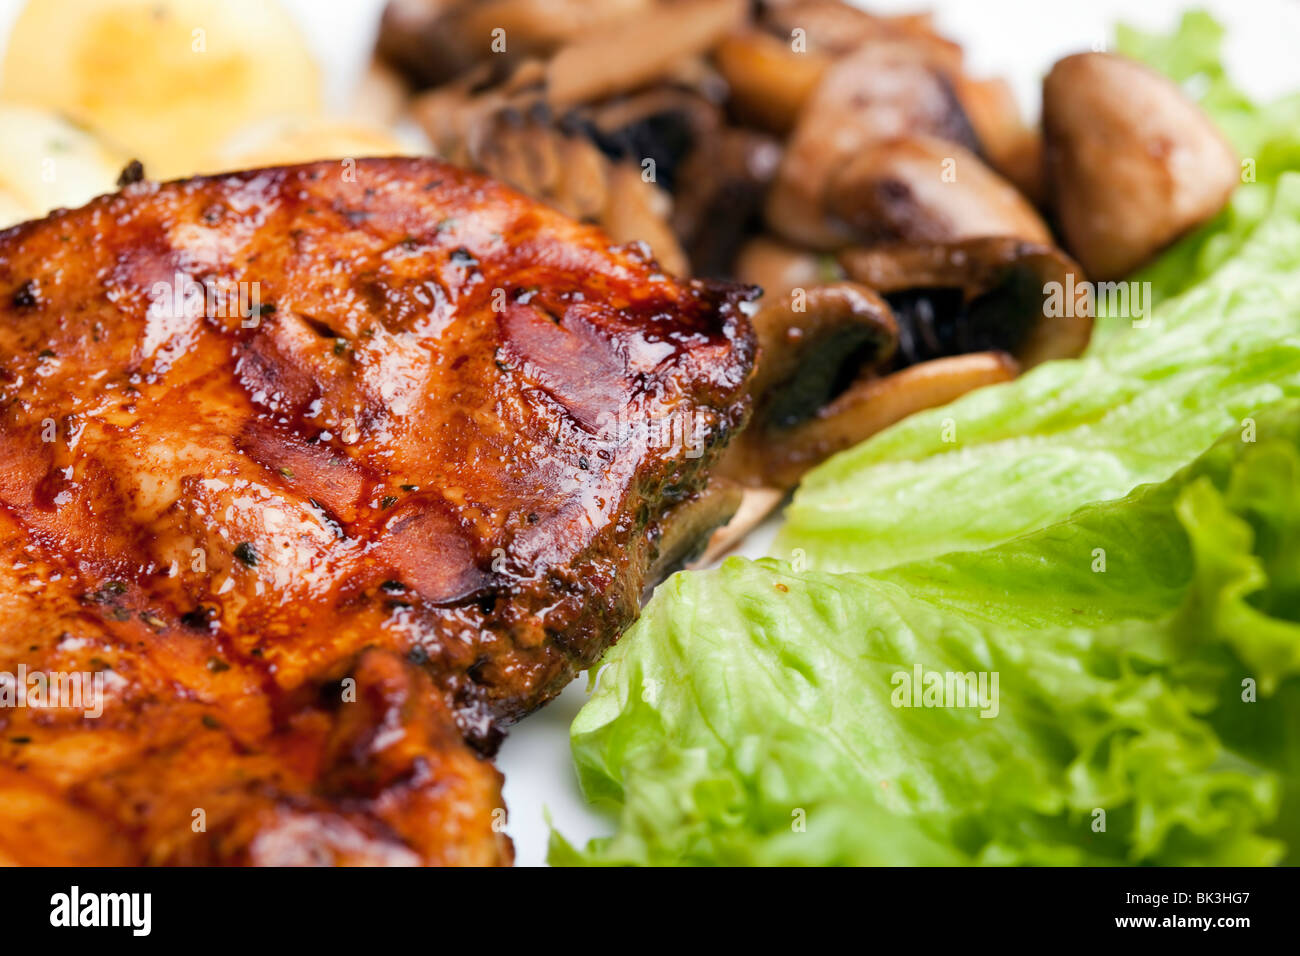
(720, 190)
(776, 267)
(922, 189)
(635, 211)
(583, 164)
(962, 315)
(811, 344)
(664, 124)
(837, 28)
(883, 91)
(872, 404)
(1025, 298)
(1012, 148)
(808, 339)
(634, 53)
(688, 530)
(1132, 163)
(769, 81)
(756, 503)
(568, 171)
(434, 41)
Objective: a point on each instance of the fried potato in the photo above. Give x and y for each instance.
(283, 141)
(47, 162)
(164, 80)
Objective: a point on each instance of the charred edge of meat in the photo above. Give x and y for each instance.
(686, 529)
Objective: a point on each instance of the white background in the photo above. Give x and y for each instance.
(1018, 39)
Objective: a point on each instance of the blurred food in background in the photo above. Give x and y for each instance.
(48, 161)
(898, 211)
(283, 141)
(183, 86)
(165, 80)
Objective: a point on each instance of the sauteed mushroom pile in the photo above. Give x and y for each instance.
(903, 220)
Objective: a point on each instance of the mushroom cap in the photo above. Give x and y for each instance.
(805, 341)
(1025, 298)
(883, 91)
(920, 188)
(1132, 163)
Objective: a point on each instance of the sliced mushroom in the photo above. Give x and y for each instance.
(812, 340)
(663, 124)
(719, 196)
(871, 405)
(755, 505)
(836, 28)
(923, 189)
(883, 91)
(1013, 149)
(769, 80)
(636, 211)
(776, 267)
(564, 169)
(1132, 163)
(687, 528)
(811, 345)
(635, 53)
(1025, 298)
(433, 41)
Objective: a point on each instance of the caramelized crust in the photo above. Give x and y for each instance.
(315, 545)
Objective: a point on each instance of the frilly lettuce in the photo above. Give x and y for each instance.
(752, 716)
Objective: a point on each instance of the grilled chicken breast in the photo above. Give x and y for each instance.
(324, 475)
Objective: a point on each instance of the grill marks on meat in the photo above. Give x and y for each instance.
(324, 552)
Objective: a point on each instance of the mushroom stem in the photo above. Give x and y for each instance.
(806, 341)
(872, 404)
(635, 53)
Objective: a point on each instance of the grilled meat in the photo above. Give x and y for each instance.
(327, 474)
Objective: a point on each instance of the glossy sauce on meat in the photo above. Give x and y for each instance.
(330, 472)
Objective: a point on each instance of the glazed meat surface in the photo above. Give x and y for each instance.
(326, 474)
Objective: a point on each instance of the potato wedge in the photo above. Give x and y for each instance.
(164, 80)
(47, 162)
(283, 141)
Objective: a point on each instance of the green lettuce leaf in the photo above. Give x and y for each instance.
(752, 716)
